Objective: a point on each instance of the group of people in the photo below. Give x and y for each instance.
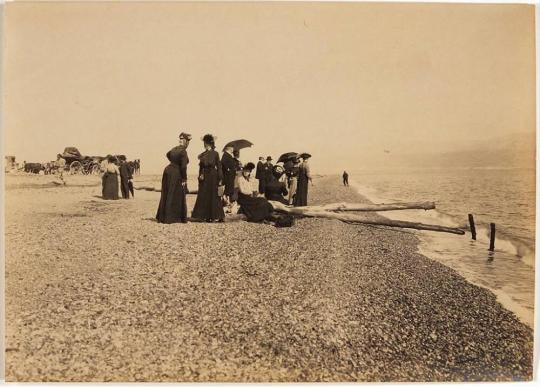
(225, 184)
(112, 173)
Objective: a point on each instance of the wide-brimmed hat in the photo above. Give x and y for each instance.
(269, 158)
(248, 167)
(304, 156)
(185, 136)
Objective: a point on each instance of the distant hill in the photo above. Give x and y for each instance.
(516, 151)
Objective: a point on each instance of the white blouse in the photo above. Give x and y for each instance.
(112, 168)
(245, 186)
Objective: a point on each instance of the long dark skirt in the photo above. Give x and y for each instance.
(256, 209)
(172, 205)
(300, 199)
(110, 186)
(208, 204)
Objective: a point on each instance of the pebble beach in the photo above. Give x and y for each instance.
(99, 291)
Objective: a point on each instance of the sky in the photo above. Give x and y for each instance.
(352, 84)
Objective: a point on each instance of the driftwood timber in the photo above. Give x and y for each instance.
(327, 211)
(345, 206)
(353, 218)
(372, 207)
(154, 189)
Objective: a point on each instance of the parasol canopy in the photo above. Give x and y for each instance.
(287, 156)
(238, 144)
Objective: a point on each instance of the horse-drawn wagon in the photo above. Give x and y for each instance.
(77, 163)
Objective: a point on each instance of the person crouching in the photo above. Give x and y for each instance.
(253, 206)
(276, 189)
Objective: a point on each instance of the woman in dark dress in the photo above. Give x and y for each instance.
(256, 208)
(304, 177)
(276, 189)
(110, 180)
(208, 205)
(172, 205)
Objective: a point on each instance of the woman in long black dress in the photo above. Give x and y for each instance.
(172, 205)
(110, 180)
(208, 205)
(304, 177)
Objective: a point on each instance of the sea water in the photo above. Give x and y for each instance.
(505, 197)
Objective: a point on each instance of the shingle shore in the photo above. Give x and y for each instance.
(98, 291)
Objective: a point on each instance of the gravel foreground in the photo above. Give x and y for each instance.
(98, 291)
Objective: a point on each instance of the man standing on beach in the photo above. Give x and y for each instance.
(259, 174)
(125, 177)
(228, 165)
(345, 178)
(268, 170)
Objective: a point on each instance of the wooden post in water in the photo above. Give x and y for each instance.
(492, 237)
(473, 227)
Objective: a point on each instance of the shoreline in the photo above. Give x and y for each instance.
(425, 248)
(321, 301)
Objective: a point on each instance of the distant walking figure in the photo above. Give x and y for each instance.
(345, 178)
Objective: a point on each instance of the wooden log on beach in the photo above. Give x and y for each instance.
(146, 188)
(373, 207)
(154, 189)
(353, 218)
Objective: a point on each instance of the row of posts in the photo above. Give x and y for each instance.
(491, 232)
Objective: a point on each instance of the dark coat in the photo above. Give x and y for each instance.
(125, 175)
(268, 172)
(264, 176)
(228, 165)
(208, 204)
(259, 171)
(238, 164)
(172, 205)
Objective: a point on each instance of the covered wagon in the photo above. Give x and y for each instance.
(77, 163)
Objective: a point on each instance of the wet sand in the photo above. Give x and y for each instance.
(98, 291)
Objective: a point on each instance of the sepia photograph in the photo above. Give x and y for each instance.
(268, 191)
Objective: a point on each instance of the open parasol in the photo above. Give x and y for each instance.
(287, 156)
(238, 144)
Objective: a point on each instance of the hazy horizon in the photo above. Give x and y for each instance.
(353, 84)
